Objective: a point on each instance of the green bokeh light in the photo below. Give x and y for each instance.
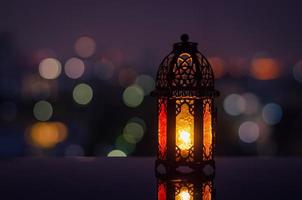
(133, 132)
(42, 110)
(133, 96)
(123, 145)
(82, 94)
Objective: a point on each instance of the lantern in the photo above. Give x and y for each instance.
(186, 111)
(185, 189)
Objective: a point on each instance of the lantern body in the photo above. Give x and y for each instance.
(185, 189)
(186, 111)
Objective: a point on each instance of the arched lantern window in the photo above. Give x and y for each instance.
(186, 111)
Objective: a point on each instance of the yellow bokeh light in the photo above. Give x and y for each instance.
(46, 134)
(184, 130)
(116, 153)
(50, 68)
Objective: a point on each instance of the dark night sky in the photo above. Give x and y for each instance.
(142, 33)
(237, 28)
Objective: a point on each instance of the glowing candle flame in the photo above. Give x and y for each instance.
(183, 194)
(185, 130)
(185, 138)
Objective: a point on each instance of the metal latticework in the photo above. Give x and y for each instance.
(185, 72)
(186, 111)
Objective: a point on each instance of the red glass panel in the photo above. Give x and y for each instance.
(162, 128)
(207, 130)
(207, 191)
(161, 193)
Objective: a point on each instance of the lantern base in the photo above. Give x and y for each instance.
(170, 170)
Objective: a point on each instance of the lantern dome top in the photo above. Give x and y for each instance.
(185, 72)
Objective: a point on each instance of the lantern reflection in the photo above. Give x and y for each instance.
(185, 189)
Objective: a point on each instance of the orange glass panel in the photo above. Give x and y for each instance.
(207, 193)
(162, 127)
(184, 194)
(161, 194)
(184, 130)
(207, 130)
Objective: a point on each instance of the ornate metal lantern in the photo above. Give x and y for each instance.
(185, 189)
(186, 112)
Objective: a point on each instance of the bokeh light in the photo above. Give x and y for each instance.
(139, 121)
(74, 68)
(8, 111)
(252, 103)
(46, 134)
(36, 87)
(85, 46)
(218, 66)
(42, 110)
(123, 145)
(82, 94)
(146, 82)
(133, 96)
(104, 69)
(127, 77)
(297, 71)
(234, 104)
(133, 132)
(74, 150)
(50, 68)
(62, 130)
(265, 68)
(249, 132)
(272, 113)
(116, 153)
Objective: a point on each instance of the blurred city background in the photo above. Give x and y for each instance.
(75, 76)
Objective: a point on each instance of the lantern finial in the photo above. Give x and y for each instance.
(184, 37)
